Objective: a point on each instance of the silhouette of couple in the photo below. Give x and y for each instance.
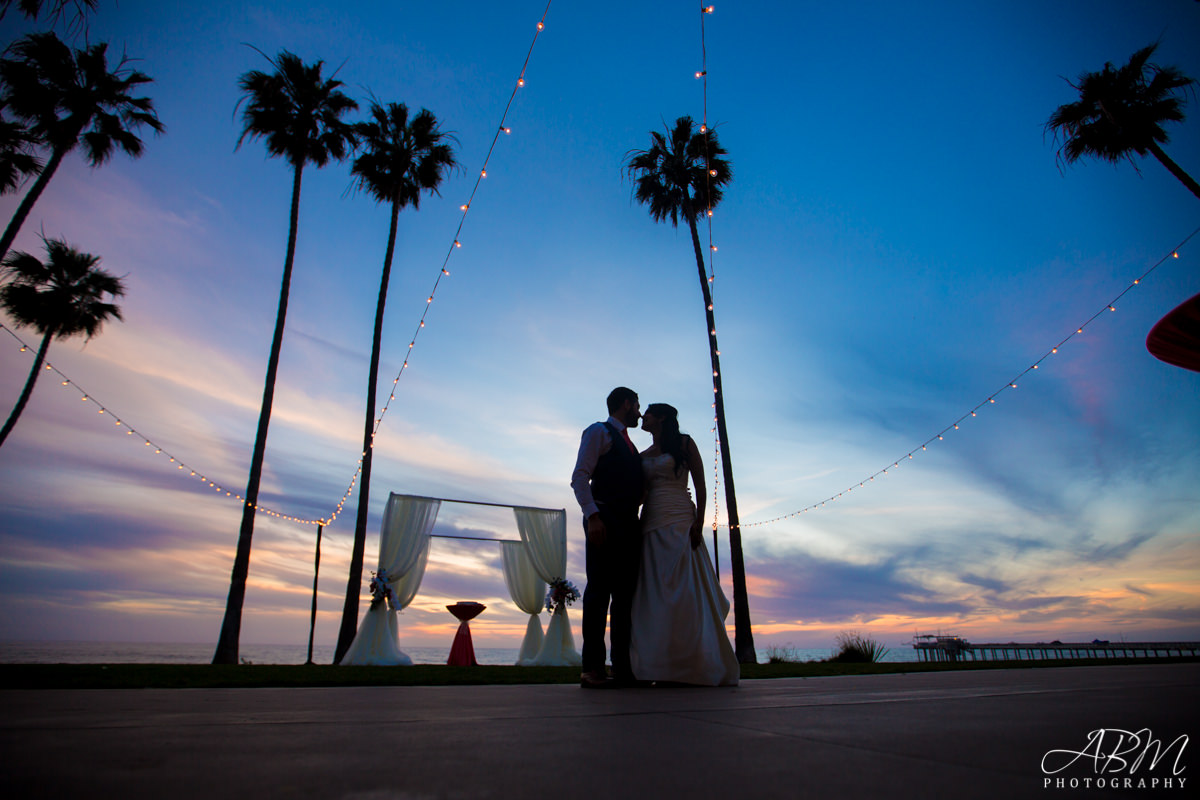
(649, 577)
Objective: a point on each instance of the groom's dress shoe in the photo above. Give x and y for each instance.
(593, 680)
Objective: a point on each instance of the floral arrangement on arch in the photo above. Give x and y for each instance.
(381, 590)
(560, 593)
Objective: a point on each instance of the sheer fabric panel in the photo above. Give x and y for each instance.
(528, 591)
(544, 534)
(403, 554)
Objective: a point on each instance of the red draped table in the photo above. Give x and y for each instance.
(1176, 337)
(462, 652)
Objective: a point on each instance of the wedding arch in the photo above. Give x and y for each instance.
(530, 564)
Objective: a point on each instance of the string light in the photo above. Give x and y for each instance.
(712, 249)
(87, 397)
(442, 272)
(991, 400)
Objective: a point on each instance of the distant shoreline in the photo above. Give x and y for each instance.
(234, 676)
(177, 653)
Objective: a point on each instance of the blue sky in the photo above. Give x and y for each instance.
(898, 242)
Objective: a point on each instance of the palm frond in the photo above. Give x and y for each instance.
(681, 174)
(69, 97)
(1120, 111)
(401, 156)
(296, 112)
(66, 295)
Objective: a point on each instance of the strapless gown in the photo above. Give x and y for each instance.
(679, 609)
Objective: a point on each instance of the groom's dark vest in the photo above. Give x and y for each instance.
(617, 479)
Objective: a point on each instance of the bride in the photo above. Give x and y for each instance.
(678, 608)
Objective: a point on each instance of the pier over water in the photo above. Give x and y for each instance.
(956, 648)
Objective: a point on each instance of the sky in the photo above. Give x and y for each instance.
(897, 245)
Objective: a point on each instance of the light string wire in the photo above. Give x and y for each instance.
(179, 463)
(712, 274)
(1111, 306)
(442, 272)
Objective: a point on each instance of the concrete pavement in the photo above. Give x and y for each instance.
(972, 734)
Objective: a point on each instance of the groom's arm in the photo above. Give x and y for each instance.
(590, 448)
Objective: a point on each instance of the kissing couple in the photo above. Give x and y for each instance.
(648, 576)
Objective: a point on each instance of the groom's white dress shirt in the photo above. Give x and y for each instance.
(595, 442)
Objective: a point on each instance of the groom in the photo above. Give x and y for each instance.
(608, 485)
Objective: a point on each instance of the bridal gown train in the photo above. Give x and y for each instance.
(678, 608)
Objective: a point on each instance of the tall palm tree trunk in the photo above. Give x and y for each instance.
(28, 390)
(743, 636)
(1175, 169)
(227, 645)
(22, 213)
(354, 582)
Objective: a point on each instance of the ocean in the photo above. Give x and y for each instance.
(202, 653)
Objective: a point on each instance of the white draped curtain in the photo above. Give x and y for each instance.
(544, 536)
(528, 591)
(403, 554)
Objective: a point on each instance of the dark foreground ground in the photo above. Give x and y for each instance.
(964, 733)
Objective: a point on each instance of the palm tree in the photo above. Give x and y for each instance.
(61, 298)
(297, 113)
(71, 99)
(400, 160)
(1121, 111)
(682, 174)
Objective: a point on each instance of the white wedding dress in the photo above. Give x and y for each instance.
(678, 608)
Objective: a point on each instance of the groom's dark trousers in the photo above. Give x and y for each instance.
(612, 567)
(612, 571)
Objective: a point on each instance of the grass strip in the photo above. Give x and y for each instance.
(210, 676)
